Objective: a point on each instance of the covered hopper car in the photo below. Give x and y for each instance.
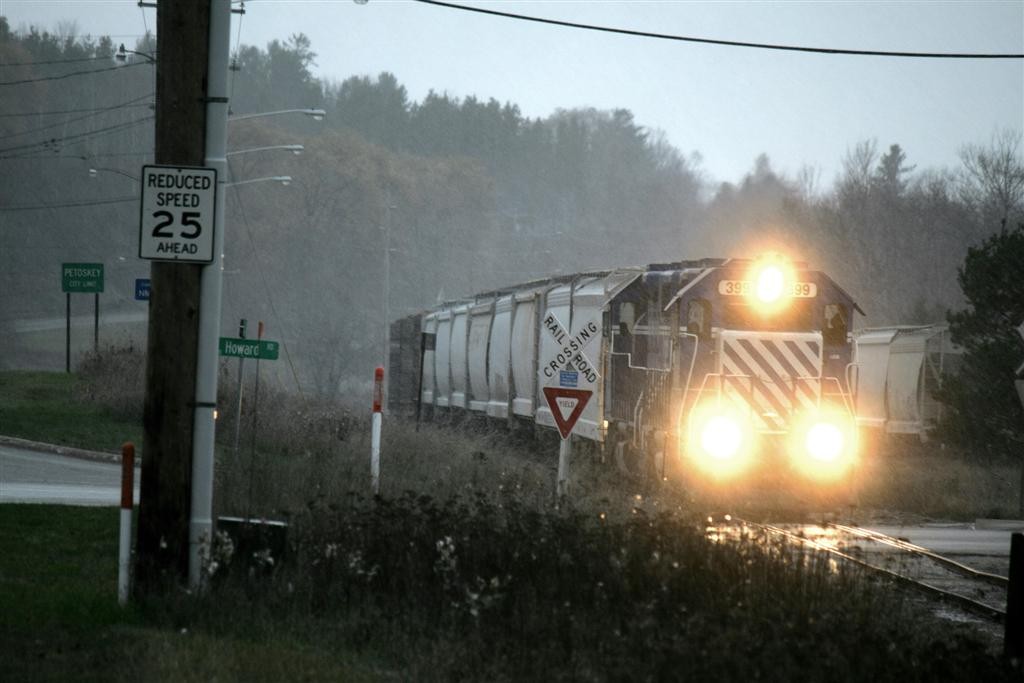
(724, 363)
(900, 369)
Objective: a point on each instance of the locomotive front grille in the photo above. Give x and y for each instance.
(776, 374)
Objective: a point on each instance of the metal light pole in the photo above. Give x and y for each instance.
(283, 179)
(210, 289)
(211, 284)
(294, 149)
(316, 114)
(93, 172)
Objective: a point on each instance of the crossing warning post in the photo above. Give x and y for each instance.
(378, 400)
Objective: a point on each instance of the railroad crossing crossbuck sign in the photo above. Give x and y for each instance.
(177, 220)
(570, 370)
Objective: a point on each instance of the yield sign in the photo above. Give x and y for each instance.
(566, 406)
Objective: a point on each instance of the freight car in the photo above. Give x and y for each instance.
(724, 363)
(900, 370)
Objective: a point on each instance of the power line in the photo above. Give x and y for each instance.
(81, 157)
(270, 298)
(79, 136)
(54, 61)
(728, 43)
(95, 112)
(88, 202)
(86, 72)
(55, 112)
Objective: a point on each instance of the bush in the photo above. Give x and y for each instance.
(474, 589)
(114, 378)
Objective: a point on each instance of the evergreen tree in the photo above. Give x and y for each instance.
(986, 414)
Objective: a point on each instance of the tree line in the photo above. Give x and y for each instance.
(455, 194)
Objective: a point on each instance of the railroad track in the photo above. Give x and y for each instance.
(920, 569)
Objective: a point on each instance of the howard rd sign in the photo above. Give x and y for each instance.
(177, 220)
(249, 348)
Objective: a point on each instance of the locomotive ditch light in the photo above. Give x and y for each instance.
(720, 439)
(823, 444)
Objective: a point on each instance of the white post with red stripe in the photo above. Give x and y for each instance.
(378, 399)
(124, 558)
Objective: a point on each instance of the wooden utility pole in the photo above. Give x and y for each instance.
(181, 89)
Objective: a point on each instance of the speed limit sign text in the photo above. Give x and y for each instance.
(177, 213)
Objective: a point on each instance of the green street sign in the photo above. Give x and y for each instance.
(249, 348)
(268, 350)
(82, 277)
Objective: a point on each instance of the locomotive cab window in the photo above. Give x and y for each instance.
(835, 325)
(698, 318)
(627, 319)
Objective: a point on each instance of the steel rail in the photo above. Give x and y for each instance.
(962, 601)
(969, 572)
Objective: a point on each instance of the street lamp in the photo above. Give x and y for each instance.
(93, 172)
(294, 149)
(122, 55)
(315, 114)
(283, 179)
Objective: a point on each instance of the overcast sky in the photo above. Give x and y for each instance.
(728, 103)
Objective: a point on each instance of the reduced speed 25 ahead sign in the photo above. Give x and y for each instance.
(177, 213)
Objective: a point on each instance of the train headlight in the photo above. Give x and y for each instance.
(824, 441)
(823, 445)
(770, 284)
(719, 439)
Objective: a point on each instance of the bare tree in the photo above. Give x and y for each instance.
(993, 177)
(859, 163)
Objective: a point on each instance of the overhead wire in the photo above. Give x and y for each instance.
(33, 146)
(70, 74)
(266, 287)
(65, 205)
(96, 112)
(726, 43)
(82, 157)
(54, 61)
(145, 24)
(55, 112)
(234, 66)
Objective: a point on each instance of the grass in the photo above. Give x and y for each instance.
(49, 407)
(464, 569)
(59, 618)
(58, 570)
(417, 589)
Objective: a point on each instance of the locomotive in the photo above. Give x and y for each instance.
(716, 364)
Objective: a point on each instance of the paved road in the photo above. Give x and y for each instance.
(33, 477)
(970, 544)
(112, 318)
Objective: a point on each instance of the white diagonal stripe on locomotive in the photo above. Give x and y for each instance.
(805, 356)
(767, 401)
(768, 355)
(786, 365)
(771, 371)
(743, 381)
(787, 369)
